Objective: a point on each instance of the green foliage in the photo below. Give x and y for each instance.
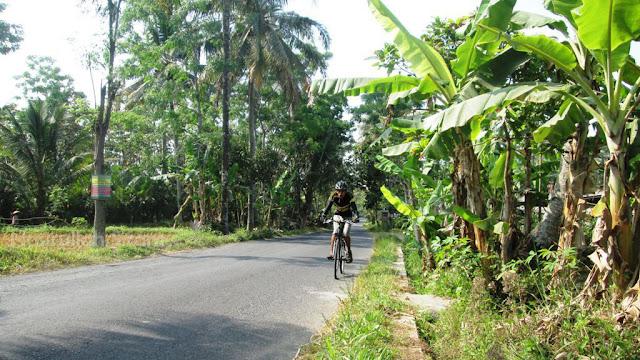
(79, 222)
(45, 149)
(537, 319)
(456, 265)
(130, 251)
(10, 34)
(44, 80)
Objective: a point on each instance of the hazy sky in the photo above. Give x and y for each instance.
(61, 30)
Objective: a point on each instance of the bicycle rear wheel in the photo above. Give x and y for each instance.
(336, 258)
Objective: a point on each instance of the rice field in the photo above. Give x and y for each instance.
(46, 248)
(78, 239)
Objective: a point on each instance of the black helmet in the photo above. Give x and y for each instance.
(341, 185)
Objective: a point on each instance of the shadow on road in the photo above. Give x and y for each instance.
(359, 240)
(205, 337)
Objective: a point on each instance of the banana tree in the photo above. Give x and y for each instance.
(425, 221)
(604, 32)
(480, 65)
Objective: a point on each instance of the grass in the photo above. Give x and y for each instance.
(362, 327)
(529, 320)
(46, 248)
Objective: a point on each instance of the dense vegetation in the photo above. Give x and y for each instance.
(163, 136)
(493, 106)
(517, 153)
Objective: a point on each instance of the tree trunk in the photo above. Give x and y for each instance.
(470, 169)
(528, 190)
(100, 217)
(577, 157)
(547, 232)
(252, 153)
(308, 204)
(458, 190)
(165, 140)
(226, 88)
(423, 247)
(179, 188)
(507, 243)
(624, 259)
(102, 123)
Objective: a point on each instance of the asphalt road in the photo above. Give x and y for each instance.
(251, 300)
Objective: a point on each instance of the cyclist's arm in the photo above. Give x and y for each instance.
(354, 208)
(327, 206)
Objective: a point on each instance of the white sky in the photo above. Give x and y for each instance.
(61, 30)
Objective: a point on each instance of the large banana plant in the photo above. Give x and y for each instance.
(479, 65)
(604, 31)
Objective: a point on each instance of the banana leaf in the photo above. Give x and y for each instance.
(400, 149)
(497, 70)
(406, 172)
(607, 24)
(460, 114)
(404, 209)
(423, 59)
(440, 146)
(496, 175)
(562, 125)
(387, 165)
(480, 47)
(631, 72)
(357, 86)
(524, 20)
(407, 124)
(564, 8)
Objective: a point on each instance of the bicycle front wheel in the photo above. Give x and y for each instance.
(343, 255)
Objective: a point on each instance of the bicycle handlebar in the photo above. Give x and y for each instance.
(338, 218)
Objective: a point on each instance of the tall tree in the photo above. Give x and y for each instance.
(273, 40)
(226, 89)
(107, 99)
(44, 80)
(10, 34)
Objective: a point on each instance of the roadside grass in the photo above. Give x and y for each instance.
(29, 249)
(531, 319)
(362, 327)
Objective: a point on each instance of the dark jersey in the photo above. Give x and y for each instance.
(344, 206)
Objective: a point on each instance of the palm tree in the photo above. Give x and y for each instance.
(166, 71)
(274, 41)
(43, 152)
(226, 89)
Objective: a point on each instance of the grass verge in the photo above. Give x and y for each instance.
(46, 248)
(531, 319)
(362, 327)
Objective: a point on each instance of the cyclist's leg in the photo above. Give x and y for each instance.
(347, 238)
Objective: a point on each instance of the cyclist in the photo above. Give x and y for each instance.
(345, 207)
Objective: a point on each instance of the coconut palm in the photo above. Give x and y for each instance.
(43, 152)
(274, 42)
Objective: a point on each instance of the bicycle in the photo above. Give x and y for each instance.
(339, 246)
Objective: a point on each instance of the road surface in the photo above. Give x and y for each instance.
(251, 300)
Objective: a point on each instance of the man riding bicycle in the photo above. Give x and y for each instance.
(345, 207)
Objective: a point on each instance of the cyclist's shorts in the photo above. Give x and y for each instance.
(345, 232)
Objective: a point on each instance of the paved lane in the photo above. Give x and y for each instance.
(252, 300)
